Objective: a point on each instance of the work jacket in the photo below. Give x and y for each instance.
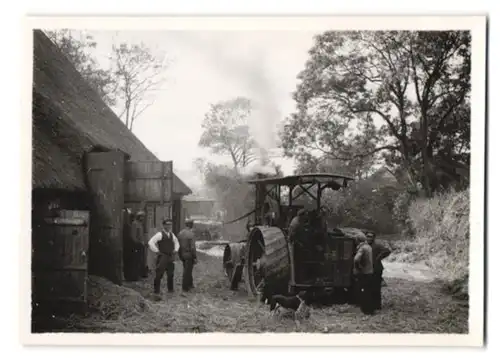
(187, 247)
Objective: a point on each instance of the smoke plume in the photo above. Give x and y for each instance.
(251, 71)
(254, 169)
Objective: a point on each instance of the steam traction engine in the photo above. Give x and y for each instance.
(321, 263)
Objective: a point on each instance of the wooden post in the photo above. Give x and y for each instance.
(105, 176)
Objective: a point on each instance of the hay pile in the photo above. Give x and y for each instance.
(442, 236)
(113, 308)
(111, 301)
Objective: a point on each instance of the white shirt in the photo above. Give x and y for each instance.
(153, 242)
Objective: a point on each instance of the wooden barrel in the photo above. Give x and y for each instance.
(267, 257)
(233, 261)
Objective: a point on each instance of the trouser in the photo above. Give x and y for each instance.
(164, 263)
(187, 274)
(353, 292)
(377, 290)
(139, 260)
(365, 293)
(128, 263)
(134, 265)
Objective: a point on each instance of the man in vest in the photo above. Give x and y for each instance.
(187, 254)
(166, 245)
(363, 272)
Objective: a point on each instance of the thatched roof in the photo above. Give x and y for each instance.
(69, 119)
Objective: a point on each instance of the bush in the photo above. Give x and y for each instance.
(366, 205)
(441, 227)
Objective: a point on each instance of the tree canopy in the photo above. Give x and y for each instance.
(394, 98)
(77, 47)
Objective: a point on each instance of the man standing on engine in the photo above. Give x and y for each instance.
(296, 232)
(187, 254)
(296, 227)
(166, 245)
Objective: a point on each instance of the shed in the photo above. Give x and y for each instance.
(69, 121)
(196, 205)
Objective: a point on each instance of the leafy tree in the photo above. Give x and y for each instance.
(137, 73)
(77, 47)
(226, 131)
(398, 97)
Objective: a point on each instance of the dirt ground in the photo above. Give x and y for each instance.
(412, 303)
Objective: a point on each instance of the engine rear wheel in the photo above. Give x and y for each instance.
(254, 269)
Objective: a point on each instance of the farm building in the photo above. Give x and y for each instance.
(198, 206)
(88, 167)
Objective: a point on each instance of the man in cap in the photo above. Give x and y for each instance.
(296, 227)
(363, 272)
(166, 245)
(269, 217)
(380, 252)
(187, 254)
(138, 255)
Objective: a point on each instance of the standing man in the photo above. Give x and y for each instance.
(363, 271)
(166, 245)
(380, 252)
(187, 254)
(137, 236)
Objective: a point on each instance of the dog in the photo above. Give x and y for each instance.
(294, 304)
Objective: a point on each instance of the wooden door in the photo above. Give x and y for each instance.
(177, 223)
(105, 178)
(162, 212)
(148, 181)
(60, 261)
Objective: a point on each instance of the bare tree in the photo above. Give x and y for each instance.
(226, 131)
(138, 73)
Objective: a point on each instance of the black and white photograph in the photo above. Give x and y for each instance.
(256, 176)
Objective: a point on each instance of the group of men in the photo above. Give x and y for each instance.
(367, 264)
(167, 248)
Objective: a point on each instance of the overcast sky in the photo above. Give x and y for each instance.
(207, 67)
